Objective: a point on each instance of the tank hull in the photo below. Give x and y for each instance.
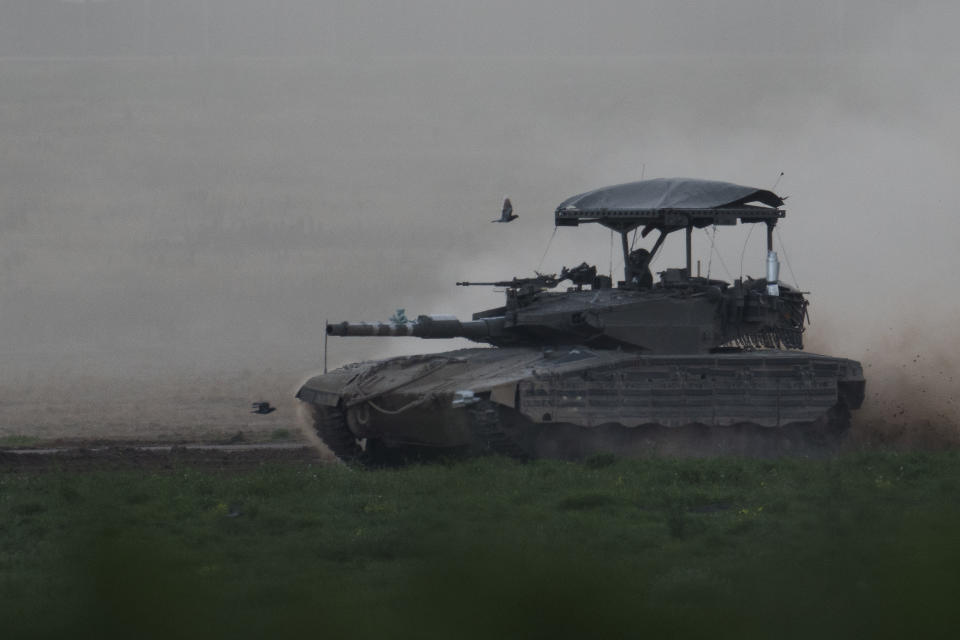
(569, 402)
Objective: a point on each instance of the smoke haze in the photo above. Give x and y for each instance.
(178, 221)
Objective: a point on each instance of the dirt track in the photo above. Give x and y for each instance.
(156, 458)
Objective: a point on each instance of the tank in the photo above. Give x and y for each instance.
(575, 363)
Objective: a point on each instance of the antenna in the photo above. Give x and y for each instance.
(549, 242)
(777, 181)
(786, 257)
(643, 169)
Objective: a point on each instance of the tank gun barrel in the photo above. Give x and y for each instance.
(434, 326)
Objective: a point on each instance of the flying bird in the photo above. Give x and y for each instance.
(507, 214)
(262, 408)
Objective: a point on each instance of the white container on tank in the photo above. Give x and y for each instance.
(773, 274)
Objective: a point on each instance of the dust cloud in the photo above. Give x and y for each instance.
(912, 377)
(305, 422)
(179, 220)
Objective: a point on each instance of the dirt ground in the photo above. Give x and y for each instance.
(154, 424)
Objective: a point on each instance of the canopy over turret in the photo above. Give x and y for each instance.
(670, 203)
(667, 205)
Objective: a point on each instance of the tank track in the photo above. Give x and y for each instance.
(566, 441)
(487, 427)
(817, 438)
(831, 428)
(330, 424)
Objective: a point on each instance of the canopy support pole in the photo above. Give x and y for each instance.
(689, 250)
(626, 256)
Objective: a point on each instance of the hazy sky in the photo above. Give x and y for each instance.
(167, 212)
(494, 27)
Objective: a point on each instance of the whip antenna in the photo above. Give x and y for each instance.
(777, 181)
(549, 242)
(783, 248)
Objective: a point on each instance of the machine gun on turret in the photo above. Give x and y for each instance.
(521, 286)
(580, 275)
(583, 274)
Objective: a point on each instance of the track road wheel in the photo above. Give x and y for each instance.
(331, 425)
(487, 427)
(378, 455)
(830, 429)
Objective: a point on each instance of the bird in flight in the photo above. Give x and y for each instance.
(262, 408)
(507, 214)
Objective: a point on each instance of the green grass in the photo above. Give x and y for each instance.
(280, 435)
(16, 441)
(860, 546)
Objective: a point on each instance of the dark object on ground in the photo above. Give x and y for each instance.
(686, 365)
(263, 408)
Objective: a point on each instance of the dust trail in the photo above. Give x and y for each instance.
(911, 401)
(305, 422)
(912, 377)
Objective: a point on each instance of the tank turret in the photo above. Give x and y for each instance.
(679, 313)
(641, 353)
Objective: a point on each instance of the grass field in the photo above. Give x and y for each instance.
(858, 546)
